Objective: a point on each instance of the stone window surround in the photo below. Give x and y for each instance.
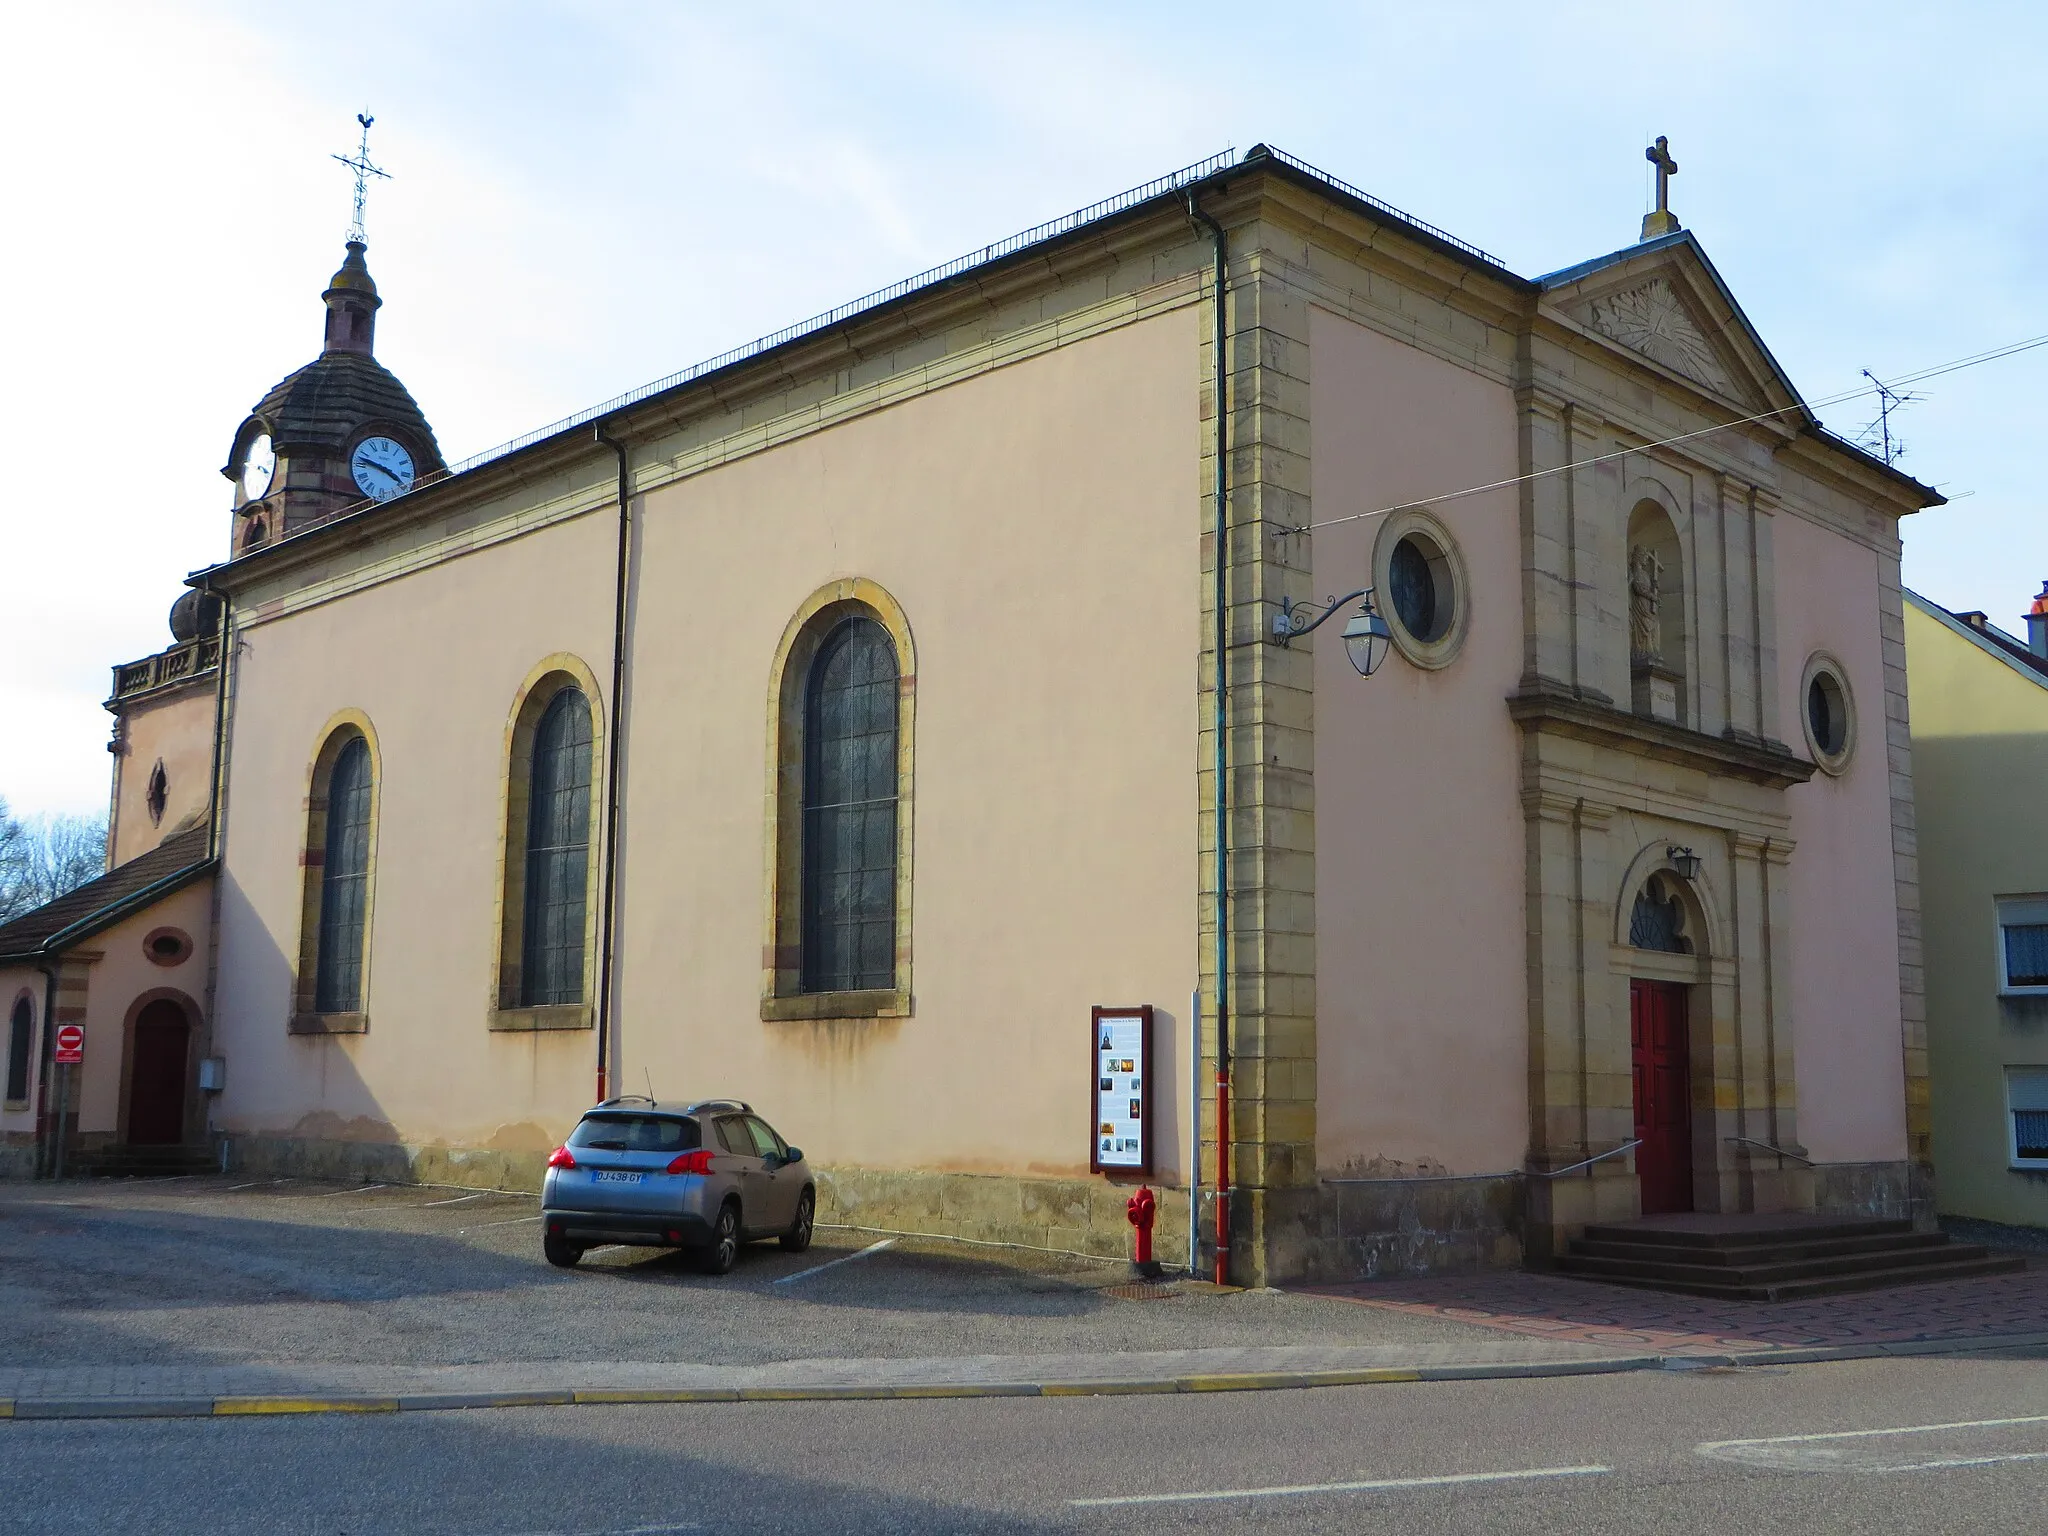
(547, 679)
(343, 727)
(1819, 664)
(1429, 655)
(782, 997)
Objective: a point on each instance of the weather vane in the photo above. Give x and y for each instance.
(360, 164)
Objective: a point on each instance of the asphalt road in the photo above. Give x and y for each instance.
(203, 1272)
(1749, 1449)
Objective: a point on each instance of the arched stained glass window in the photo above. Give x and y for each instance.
(344, 883)
(849, 811)
(1658, 922)
(557, 854)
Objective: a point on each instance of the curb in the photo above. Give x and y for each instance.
(1237, 1381)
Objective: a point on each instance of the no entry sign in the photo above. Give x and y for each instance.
(70, 1044)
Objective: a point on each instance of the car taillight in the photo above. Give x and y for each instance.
(561, 1157)
(698, 1161)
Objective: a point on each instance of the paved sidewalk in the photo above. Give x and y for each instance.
(210, 1298)
(1561, 1309)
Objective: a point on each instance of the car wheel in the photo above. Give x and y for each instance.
(798, 1237)
(724, 1251)
(560, 1252)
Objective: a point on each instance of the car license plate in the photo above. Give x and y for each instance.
(618, 1178)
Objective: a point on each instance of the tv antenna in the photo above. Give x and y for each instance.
(359, 162)
(1877, 436)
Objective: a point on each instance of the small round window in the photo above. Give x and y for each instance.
(1421, 582)
(167, 946)
(1830, 715)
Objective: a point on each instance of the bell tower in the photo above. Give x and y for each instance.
(341, 433)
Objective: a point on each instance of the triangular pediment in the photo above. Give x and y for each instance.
(1663, 300)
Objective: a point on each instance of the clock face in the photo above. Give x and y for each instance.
(258, 465)
(382, 467)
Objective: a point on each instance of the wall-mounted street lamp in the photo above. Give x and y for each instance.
(1366, 636)
(1685, 862)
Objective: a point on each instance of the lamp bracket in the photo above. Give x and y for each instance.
(1300, 618)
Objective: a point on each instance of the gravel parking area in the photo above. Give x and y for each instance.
(219, 1271)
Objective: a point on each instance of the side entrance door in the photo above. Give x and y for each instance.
(156, 1076)
(1663, 1091)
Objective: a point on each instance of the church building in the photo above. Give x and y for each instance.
(847, 723)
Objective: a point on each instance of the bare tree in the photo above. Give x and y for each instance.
(42, 857)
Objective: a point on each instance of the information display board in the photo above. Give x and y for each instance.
(1121, 1089)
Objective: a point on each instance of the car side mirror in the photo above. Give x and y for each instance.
(793, 1155)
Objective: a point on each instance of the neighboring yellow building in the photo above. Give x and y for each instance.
(1980, 759)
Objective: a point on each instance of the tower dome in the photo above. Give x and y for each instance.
(340, 431)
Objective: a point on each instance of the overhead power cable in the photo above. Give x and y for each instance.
(1971, 361)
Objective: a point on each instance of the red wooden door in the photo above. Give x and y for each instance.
(1663, 1088)
(156, 1084)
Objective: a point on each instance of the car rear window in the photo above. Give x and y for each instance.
(636, 1133)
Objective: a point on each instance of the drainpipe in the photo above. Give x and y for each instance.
(611, 778)
(1222, 763)
(52, 1153)
(216, 831)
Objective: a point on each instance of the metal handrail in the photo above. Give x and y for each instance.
(1558, 1173)
(1769, 1147)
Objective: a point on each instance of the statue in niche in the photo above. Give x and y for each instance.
(1645, 590)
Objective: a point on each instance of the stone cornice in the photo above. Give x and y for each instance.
(1554, 709)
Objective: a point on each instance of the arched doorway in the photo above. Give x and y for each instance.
(157, 1071)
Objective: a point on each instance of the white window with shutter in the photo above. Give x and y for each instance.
(2023, 946)
(2026, 1097)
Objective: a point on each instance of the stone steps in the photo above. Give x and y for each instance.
(1756, 1259)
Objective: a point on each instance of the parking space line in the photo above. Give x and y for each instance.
(354, 1189)
(1376, 1485)
(255, 1184)
(515, 1221)
(424, 1204)
(844, 1258)
(1708, 1447)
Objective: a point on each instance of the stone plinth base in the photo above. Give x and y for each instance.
(1077, 1215)
(1365, 1229)
(1895, 1190)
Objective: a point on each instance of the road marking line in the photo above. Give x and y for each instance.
(1449, 1480)
(515, 1221)
(256, 1184)
(844, 1258)
(359, 1189)
(1707, 1447)
(1958, 1461)
(424, 1204)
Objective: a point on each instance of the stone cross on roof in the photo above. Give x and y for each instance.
(1661, 222)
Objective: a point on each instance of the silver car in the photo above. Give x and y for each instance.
(706, 1177)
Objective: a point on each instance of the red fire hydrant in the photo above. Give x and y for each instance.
(1141, 1211)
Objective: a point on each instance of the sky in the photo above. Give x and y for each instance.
(586, 197)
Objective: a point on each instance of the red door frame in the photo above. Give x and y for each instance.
(1661, 1060)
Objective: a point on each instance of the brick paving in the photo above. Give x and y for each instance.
(1581, 1311)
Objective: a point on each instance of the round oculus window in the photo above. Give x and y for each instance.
(1825, 716)
(167, 946)
(1830, 715)
(1420, 584)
